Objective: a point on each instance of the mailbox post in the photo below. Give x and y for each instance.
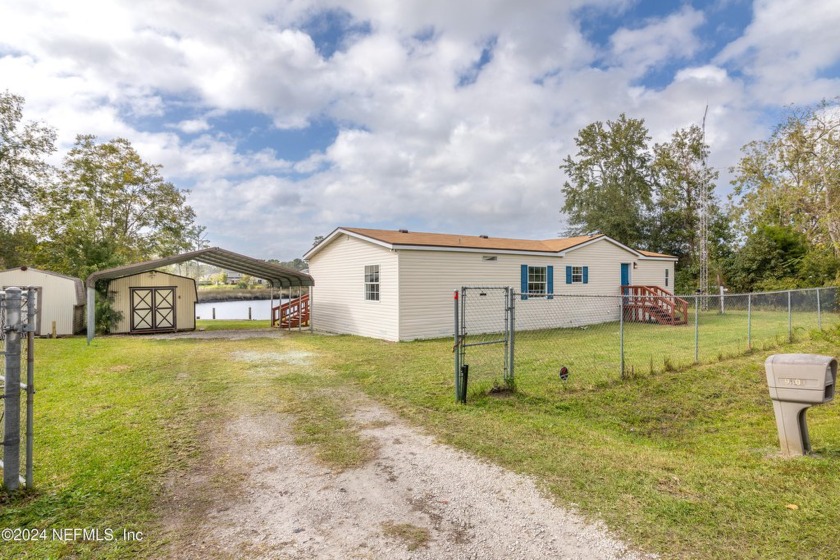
(797, 382)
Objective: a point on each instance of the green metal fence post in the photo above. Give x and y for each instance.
(819, 311)
(790, 321)
(621, 334)
(456, 349)
(749, 321)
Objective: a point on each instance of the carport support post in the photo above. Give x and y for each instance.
(91, 313)
(311, 303)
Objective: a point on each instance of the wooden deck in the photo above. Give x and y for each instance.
(292, 314)
(652, 304)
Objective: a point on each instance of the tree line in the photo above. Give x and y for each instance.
(103, 206)
(779, 229)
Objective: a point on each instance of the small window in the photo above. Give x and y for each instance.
(577, 275)
(372, 282)
(537, 280)
(666, 277)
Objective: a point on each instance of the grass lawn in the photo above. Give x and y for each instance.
(682, 463)
(593, 357)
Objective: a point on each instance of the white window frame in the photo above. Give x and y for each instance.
(537, 281)
(372, 292)
(667, 274)
(577, 274)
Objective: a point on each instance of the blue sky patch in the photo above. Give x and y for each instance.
(330, 30)
(471, 75)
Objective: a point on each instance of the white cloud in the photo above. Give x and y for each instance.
(414, 148)
(660, 40)
(785, 48)
(192, 126)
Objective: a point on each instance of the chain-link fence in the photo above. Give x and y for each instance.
(588, 340)
(18, 310)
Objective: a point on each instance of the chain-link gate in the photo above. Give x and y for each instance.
(18, 311)
(483, 339)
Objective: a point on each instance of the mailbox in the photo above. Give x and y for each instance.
(797, 382)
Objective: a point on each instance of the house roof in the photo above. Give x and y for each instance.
(279, 276)
(77, 283)
(443, 241)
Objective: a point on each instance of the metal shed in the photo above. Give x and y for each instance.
(277, 276)
(154, 301)
(62, 299)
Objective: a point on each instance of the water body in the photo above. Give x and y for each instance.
(260, 309)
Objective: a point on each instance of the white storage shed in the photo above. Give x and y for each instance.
(62, 299)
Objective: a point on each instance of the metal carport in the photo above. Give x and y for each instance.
(278, 276)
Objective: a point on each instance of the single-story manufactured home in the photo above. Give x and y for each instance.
(398, 285)
(62, 299)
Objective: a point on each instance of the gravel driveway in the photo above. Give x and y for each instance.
(416, 499)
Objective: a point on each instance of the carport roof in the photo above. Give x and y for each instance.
(279, 276)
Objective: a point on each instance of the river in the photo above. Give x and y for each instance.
(260, 309)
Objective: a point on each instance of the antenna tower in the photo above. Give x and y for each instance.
(703, 224)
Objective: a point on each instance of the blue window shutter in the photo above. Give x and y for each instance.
(549, 278)
(524, 283)
(568, 275)
(586, 275)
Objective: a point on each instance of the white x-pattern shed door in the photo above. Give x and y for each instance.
(153, 309)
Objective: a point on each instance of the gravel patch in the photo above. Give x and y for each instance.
(418, 499)
(221, 335)
(293, 357)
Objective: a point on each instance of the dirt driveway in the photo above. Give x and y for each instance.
(269, 498)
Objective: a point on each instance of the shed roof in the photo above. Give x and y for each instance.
(77, 283)
(279, 276)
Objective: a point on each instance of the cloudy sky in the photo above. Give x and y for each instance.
(288, 118)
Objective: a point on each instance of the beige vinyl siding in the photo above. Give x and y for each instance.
(59, 297)
(339, 303)
(185, 297)
(652, 273)
(428, 280)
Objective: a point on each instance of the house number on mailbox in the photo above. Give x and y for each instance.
(796, 382)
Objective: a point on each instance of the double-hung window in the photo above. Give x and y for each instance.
(537, 280)
(372, 282)
(577, 275)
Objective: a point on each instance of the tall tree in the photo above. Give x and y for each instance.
(792, 180)
(609, 181)
(683, 181)
(24, 148)
(110, 207)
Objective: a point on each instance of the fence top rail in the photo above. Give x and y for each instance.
(772, 292)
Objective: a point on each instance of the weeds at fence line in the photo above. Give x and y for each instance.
(523, 339)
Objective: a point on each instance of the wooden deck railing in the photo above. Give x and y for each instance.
(651, 303)
(294, 313)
